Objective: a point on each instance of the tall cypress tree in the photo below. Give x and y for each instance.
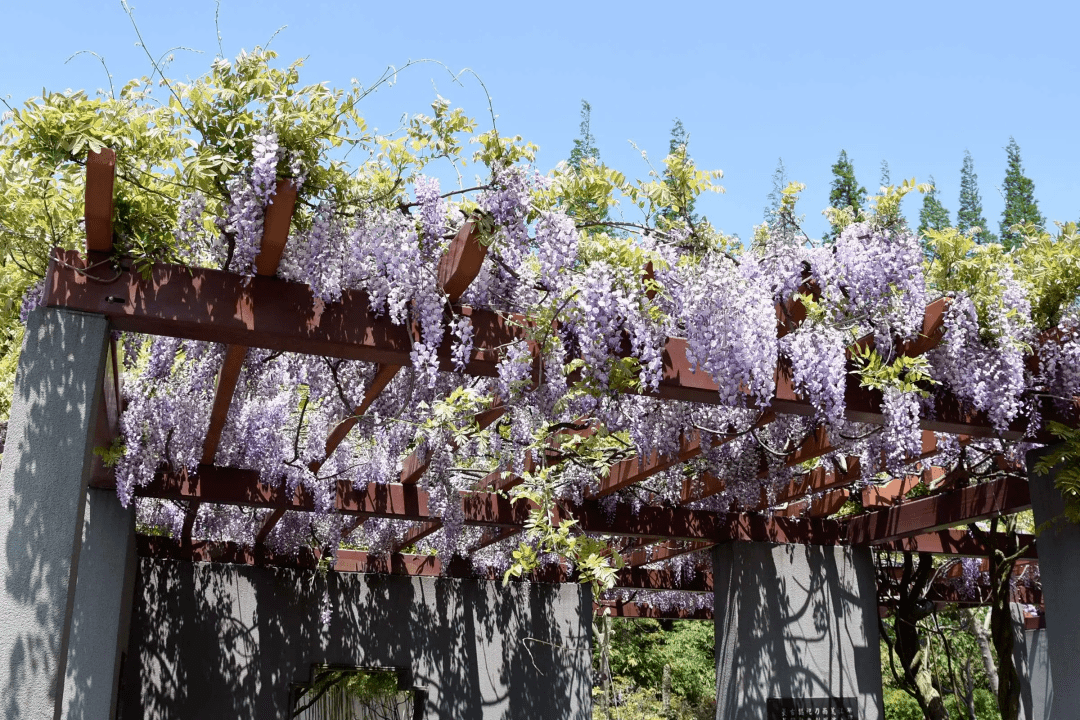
(846, 191)
(933, 215)
(779, 182)
(585, 209)
(584, 146)
(678, 146)
(1020, 205)
(886, 178)
(970, 213)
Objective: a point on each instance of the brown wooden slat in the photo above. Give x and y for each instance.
(230, 486)
(276, 222)
(955, 542)
(100, 180)
(211, 305)
(979, 502)
(662, 551)
(635, 610)
(636, 578)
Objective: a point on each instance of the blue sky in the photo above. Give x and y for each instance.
(912, 83)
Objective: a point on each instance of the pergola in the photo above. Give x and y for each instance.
(267, 312)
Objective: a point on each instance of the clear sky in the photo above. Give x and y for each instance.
(912, 83)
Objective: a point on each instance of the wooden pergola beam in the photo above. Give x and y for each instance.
(100, 182)
(217, 306)
(956, 542)
(637, 610)
(276, 222)
(230, 486)
(1004, 496)
(457, 268)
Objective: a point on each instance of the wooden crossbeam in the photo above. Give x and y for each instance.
(457, 268)
(276, 223)
(637, 578)
(644, 555)
(631, 609)
(825, 480)
(1004, 496)
(203, 304)
(230, 486)
(956, 542)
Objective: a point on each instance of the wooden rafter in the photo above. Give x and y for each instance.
(1004, 496)
(276, 223)
(203, 304)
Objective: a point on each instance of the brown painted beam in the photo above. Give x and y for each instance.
(230, 486)
(644, 555)
(100, 181)
(636, 610)
(457, 268)
(956, 507)
(276, 223)
(202, 304)
(637, 578)
(956, 542)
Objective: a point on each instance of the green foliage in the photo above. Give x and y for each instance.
(1020, 205)
(377, 689)
(585, 145)
(933, 215)
(111, 454)
(1047, 265)
(678, 154)
(641, 648)
(969, 217)
(1065, 456)
(885, 208)
(905, 373)
(590, 199)
(845, 195)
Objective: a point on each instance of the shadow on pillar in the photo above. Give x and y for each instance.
(43, 480)
(214, 640)
(795, 622)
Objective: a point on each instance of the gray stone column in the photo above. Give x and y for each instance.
(43, 481)
(212, 640)
(101, 614)
(1033, 666)
(795, 621)
(1059, 548)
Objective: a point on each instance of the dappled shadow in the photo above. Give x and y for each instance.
(794, 621)
(43, 480)
(215, 640)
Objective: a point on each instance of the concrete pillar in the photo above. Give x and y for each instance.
(43, 481)
(213, 640)
(796, 627)
(1033, 666)
(101, 614)
(1059, 546)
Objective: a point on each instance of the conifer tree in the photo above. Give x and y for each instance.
(678, 148)
(585, 151)
(886, 178)
(846, 191)
(584, 146)
(782, 222)
(779, 182)
(933, 215)
(970, 213)
(1020, 205)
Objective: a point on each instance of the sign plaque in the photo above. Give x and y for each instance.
(811, 708)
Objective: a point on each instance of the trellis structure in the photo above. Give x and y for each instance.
(266, 312)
